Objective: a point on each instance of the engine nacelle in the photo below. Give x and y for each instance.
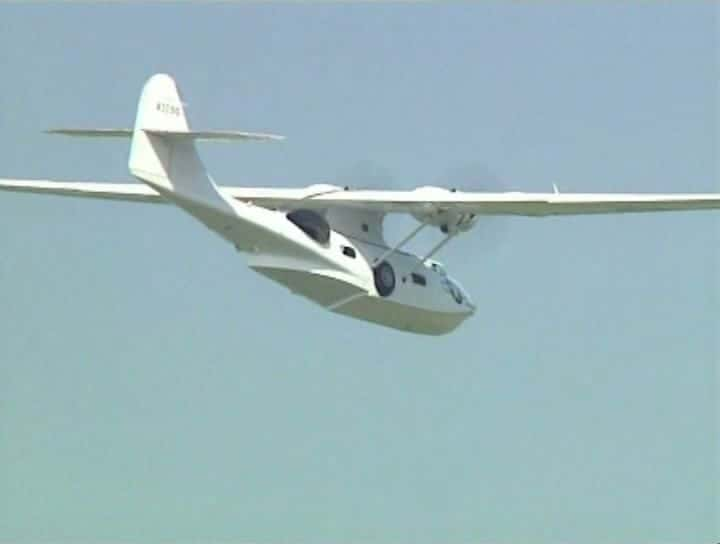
(449, 221)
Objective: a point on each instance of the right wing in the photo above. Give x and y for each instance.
(431, 201)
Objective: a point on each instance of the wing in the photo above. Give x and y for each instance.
(133, 192)
(425, 201)
(432, 200)
(139, 192)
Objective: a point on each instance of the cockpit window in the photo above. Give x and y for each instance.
(311, 223)
(456, 293)
(454, 289)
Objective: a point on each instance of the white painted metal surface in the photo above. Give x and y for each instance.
(325, 242)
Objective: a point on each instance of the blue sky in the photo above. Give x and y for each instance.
(153, 388)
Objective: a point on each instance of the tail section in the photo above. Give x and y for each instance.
(163, 153)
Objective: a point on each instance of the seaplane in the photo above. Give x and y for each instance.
(325, 242)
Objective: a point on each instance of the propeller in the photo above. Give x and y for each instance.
(471, 176)
(489, 232)
(365, 174)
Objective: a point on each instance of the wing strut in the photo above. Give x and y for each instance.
(404, 241)
(434, 250)
(400, 244)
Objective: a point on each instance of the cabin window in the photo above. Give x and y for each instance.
(418, 279)
(348, 252)
(311, 223)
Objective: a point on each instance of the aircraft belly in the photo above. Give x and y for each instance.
(403, 317)
(326, 291)
(319, 288)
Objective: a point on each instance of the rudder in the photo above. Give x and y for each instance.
(163, 153)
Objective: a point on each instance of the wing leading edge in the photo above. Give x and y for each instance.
(421, 201)
(429, 200)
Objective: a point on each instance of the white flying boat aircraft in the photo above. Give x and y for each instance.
(325, 242)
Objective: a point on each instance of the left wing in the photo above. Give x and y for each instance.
(134, 192)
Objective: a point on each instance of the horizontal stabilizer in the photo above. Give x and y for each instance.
(92, 132)
(219, 135)
(206, 135)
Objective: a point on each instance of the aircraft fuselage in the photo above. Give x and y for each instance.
(344, 275)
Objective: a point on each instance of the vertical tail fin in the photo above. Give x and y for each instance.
(163, 153)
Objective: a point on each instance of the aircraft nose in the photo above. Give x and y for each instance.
(459, 295)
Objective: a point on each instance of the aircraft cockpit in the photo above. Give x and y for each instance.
(451, 286)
